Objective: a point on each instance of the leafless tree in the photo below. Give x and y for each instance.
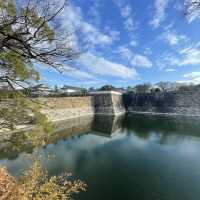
(192, 6)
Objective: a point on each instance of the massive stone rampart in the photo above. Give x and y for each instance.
(181, 103)
(62, 108)
(113, 103)
(108, 103)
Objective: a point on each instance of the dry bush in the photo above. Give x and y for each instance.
(36, 185)
(8, 186)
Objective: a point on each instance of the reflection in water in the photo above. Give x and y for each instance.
(127, 157)
(107, 125)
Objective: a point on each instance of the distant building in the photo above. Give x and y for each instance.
(40, 90)
(70, 89)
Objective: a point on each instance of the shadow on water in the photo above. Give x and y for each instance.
(125, 157)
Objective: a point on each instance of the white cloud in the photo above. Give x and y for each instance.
(192, 17)
(129, 24)
(141, 61)
(94, 14)
(170, 70)
(125, 52)
(114, 34)
(78, 74)
(119, 3)
(147, 51)
(193, 77)
(67, 70)
(179, 6)
(160, 15)
(126, 12)
(72, 20)
(134, 43)
(169, 26)
(172, 38)
(190, 56)
(101, 66)
(136, 60)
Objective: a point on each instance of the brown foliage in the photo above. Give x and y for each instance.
(35, 184)
(8, 186)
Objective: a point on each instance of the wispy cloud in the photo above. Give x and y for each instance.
(189, 56)
(170, 70)
(114, 34)
(67, 71)
(141, 61)
(127, 14)
(78, 74)
(148, 51)
(133, 43)
(193, 77)
(126, 11)
(101, 66)
(135, 60)
(172, 38)
(125, 52)
(94, 13)
(160, 13)
(72, 20)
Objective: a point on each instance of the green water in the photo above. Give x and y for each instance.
(132, 157)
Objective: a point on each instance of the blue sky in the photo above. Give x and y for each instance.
(126, 42)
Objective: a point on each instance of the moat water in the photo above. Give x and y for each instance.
(128, 157)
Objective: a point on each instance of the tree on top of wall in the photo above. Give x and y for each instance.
(107, 88)
(142, 88)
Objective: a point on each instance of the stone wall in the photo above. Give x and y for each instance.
(181, 103)
(103, 103)
(108, 103)
(118, 104)
(63, 108)
(113, 103)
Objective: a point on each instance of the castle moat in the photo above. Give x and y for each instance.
(142, 157)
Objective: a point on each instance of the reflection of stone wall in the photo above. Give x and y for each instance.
(185, 103)
(12, 144)
(107, 125)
